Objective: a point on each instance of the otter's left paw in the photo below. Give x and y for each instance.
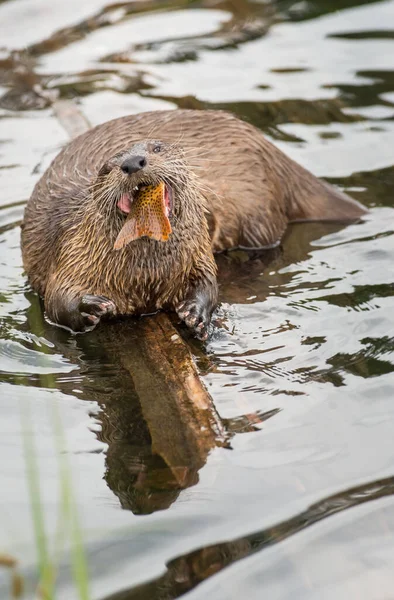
(196, 315)
(93, 308)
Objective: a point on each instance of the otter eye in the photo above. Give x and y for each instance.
(105, 170)
(157, 148)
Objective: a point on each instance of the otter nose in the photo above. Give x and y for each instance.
(133, 164)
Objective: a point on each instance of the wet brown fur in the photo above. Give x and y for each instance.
(250, 189)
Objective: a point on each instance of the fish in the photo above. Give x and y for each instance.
(148, 217)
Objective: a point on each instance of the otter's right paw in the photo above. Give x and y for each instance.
(91, 309)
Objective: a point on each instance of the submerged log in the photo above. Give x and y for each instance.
(180, 414)
(70, 117)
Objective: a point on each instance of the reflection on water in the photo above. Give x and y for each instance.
(302, 359)
(185, 572)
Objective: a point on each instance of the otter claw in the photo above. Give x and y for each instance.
(91, 309)
(90, 320)
(96, 305)
(195, 317)
(190, 321)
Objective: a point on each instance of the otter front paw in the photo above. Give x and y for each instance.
(90, 311)
(197, 316)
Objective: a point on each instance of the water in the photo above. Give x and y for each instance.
(305, 336)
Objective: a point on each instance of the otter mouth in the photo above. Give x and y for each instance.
(148, 209)
(126, 200)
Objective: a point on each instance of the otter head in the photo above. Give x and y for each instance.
(151, 185)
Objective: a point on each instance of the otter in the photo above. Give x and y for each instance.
(225, 186)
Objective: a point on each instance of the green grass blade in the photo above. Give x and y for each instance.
(45, 566)
(69, 510)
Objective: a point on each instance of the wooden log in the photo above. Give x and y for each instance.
(70, 117)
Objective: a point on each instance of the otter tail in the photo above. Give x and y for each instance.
(308, 198)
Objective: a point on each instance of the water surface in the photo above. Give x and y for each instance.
(302, 505)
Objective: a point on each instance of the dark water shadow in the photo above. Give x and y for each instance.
(242, 273)
(372, 188)
(297, 11)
